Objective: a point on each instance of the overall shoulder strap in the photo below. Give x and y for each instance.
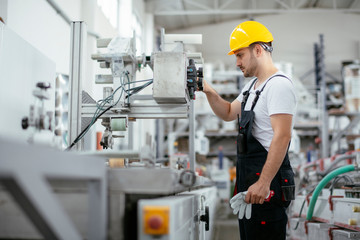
(246, 96)
(276, 75)
(258, 92)
(247, 92)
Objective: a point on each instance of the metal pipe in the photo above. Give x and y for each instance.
(336, 161)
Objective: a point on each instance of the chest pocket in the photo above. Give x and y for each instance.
(244, 126)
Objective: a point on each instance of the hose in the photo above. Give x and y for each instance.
(335, 162)
(322, 184)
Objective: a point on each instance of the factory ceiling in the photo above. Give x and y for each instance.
(177, 14)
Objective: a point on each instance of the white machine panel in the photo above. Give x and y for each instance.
(170, 77)
(177, 217)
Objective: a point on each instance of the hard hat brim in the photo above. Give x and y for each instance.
(231, 53)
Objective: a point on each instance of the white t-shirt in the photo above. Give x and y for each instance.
(277, 97)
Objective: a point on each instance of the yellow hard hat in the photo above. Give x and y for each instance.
(247, 33)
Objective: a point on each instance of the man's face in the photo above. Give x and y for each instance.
(246, 61)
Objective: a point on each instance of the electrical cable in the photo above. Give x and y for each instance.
(145, 80)
(138, 89)
(302, 207)
(96, 114)
(336, 179)
(101, 104)
(99, 108)
(86, 129)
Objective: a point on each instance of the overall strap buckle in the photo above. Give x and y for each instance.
(255, 99)
(247, 93)
(246, 96)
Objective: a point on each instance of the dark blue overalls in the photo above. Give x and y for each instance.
(268, 220)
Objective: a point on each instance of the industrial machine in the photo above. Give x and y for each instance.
(114, 193)
(328, 200)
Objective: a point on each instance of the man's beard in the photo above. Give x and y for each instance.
(250, 72)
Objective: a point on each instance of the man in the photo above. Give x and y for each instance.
(264, 109)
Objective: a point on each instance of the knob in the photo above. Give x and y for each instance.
(43, 85)
(25, 123)
(205, 218)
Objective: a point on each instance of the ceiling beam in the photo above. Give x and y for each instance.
(282, 4)
(334, 4)
(216, 7)
(185, 18)
(226, 4)
(254, 11)
(251, 4)
(300, 3)
(195, 4)
(292, 5)
(353, 3)
(315, 3)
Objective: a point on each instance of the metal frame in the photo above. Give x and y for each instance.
(192, 136)
(322, 103)
(25, 171)
(351, 125)
(77, 61)
(142, 111)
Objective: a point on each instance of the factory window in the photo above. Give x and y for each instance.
(110, 10)
(137, 27)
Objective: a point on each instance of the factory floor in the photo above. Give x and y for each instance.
(225, 224)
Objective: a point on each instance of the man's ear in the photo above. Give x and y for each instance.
(258, 50)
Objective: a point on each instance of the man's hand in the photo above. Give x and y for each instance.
(205, 85)
(257, 193)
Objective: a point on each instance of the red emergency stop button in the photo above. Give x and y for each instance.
(156, 220)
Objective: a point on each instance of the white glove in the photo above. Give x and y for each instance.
(239, 205)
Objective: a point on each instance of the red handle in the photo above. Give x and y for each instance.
(271, 194)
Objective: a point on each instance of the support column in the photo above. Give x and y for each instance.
(324, 113)
(76, 74)
(192, 136)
